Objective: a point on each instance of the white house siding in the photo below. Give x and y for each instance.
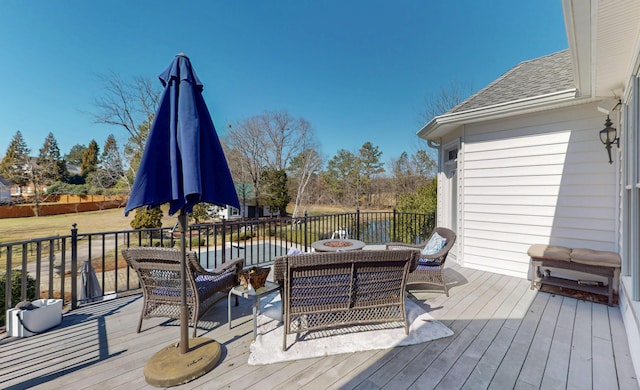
(542, 178)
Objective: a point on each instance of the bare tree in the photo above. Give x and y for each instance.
(110, 174)
(444, 100)
(246, 140)
(411, 171)
(127, 105)
(270, 140)
(284, 137)
(303, 167)
(241, 177)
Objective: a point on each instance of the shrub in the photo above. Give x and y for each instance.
(147, 218)
(166, 243)
(200, 212)
(16, 290)
(196, 241)
(240, 236)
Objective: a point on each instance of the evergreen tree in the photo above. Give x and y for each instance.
(370, 165)
(274, 183)
(341, 176)
(75, 154)
(90, 158)
(50, 162)
(15, 164)
(110, 164)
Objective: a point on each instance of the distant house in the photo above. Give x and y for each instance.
(6, 188)
(74, 170)
(29, 189)
(521, 161)
(248, 207)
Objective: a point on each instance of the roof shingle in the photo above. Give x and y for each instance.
(537, 77)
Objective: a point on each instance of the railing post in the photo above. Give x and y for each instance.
(224, 237)
(7, 278)
(395, 225)
(74, 268)
(306, 231)
(358, 223)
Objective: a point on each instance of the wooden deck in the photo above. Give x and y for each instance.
(506, 336)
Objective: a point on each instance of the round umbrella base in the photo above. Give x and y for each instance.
(168, 367)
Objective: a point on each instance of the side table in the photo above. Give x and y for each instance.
(255, 296)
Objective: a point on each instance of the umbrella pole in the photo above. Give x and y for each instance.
(175, 365)
(184, 309)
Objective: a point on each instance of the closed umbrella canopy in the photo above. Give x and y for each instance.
(183, 162)
(90, 287)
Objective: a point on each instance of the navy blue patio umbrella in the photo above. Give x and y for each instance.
(183, 164)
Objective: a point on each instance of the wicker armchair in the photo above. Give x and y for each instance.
(158, 271)
(430, 268)
(333, 289)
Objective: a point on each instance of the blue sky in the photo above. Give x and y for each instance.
(357, 70)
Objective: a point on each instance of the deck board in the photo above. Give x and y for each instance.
(412, 369)
(466, 330)
(580, 370)
(535, 362)
(495, 311)
(624, 366)
(507, 374)
(506, 336)
(604, 368)
(485, 350)
(555, 374)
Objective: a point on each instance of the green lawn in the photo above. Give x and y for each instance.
(18, 229)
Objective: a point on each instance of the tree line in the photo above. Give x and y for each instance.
(274, 157)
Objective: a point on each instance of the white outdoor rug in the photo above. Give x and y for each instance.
(267, 348)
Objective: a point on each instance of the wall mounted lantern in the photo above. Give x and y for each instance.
(608, 136)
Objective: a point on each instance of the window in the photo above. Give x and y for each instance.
(452, 154)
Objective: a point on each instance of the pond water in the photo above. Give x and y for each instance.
(253, 253)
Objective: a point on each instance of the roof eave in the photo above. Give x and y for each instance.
(443, 124)
(578, 23)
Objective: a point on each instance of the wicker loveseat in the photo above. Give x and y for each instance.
(158, 270)
(333, 289)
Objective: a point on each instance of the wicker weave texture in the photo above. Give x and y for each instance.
(158, 270)
(333, 289)
(430, 268)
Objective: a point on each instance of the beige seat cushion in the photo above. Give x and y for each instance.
(591, 257)
(550, 252)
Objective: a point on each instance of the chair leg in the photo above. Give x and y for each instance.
(444, 283)
(140, 322)
(195, 320)
(284, 336)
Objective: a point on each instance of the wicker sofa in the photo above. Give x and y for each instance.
(158, 270)
(333, 289)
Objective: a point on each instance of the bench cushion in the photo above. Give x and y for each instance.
(550, 252)
(599, 258)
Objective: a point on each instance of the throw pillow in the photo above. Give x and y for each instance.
(435, 244)
(294, 251)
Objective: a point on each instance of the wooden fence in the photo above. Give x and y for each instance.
(64, 204)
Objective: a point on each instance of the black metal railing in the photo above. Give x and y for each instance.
(52, 264)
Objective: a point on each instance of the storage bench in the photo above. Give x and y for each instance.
(601, 263)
